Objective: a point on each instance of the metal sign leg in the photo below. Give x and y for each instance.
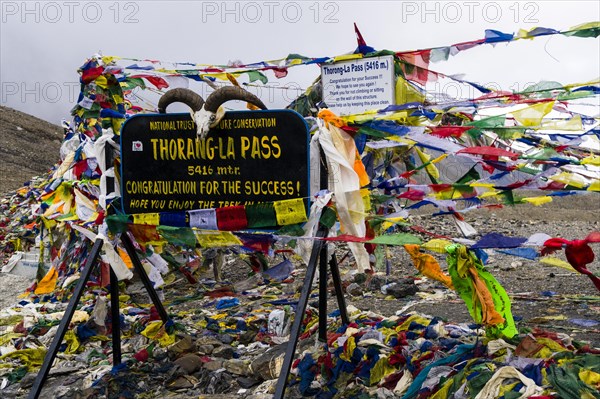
(323, 294)
(115, 318)
(339, 293)
(300, 309)
(66, 320)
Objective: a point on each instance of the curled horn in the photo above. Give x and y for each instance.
(180, 95)
(224, 94)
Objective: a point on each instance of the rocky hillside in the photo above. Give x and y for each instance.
(28, 147)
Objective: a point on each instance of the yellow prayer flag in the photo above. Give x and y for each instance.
(413, 317)
(537, 201)
(586, 25)
(591, 160)
(220, 75)
(405, 93)
(442, 393)
(107, 59)
(101, 81)
(425, 158)
(380, 370)
(365, 193)
(436, 245)
(594, 186)
(214, 238)
(118, 99)
(290, 211)
(570, 179)
(392, 221)
(491, 193)
(346, 57)
(155, 330)
(551, 261)
(533, 115)
(399, 116)
(573, 124)
(146, 218)
(589, 377)
(72, 342)
(349, 350)
(359, 118)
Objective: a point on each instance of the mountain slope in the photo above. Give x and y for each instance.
(29, 147)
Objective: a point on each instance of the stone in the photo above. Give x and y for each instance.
(376, 282)
(62, 371)
(205, 349)
(181, 383)
(268, 365)
(208, 340)
(215, 365)
(402, 288)
(293, 288)
(238, 367)
(225, 352)
(247, 337)
(184, 345)
(248, 284)
(354, 289)
(247, 382)
(27, 380)
(508, 266)
(225, 338)
(189, 363)
(360, 278)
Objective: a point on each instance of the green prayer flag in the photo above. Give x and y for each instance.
(372, 132)
(257, 75)
(178, 235)
(471, 175)
(261, 215)
(328, 217)
(396, 239)
(491, 122)
(117, 223)
(459, 260)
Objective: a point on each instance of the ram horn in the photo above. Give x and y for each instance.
(224, 94)
(180, 95)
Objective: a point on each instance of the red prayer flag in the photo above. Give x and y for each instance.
(232, 218)
(89, 75)
(158, 82)
(578, 253)
(449, 131)
(489, 151)
(413, 195)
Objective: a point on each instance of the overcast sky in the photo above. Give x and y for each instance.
(43, 43)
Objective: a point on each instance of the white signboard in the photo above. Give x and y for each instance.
(355, 86)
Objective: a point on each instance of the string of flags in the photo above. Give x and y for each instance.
(415, 62)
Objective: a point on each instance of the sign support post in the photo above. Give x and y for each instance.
(318, 254)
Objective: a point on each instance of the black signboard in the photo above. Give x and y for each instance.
(252, 156)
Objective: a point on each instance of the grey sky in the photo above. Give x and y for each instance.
(43, 43)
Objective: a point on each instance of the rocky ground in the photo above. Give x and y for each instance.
(28, 147)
